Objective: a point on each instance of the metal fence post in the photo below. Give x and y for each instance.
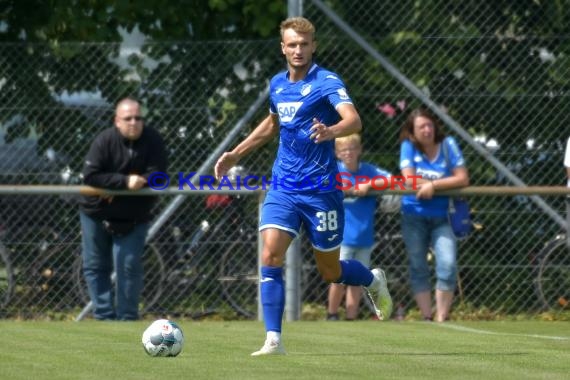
(293, 281)
(294, 8)
(259, 251)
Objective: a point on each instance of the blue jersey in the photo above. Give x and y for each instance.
(410, 157)
(301, 164)
(359, 211)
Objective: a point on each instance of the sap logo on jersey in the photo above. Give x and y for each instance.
(288, 110)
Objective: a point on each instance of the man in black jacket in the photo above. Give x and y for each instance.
(114, 228)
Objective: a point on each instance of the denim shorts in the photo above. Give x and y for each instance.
(420, 233)
(361, 254)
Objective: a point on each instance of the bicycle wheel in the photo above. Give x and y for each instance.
(51, 278)
(80, 285)
(6, 277)
(239, 279)
(154, 278)
(553, 279)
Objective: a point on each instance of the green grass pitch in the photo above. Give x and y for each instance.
(316, 350)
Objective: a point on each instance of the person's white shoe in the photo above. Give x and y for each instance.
(271, 347)
(379, 295)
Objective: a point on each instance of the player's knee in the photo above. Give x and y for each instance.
(272, 259)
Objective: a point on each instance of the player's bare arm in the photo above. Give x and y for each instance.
(262, 134)
(350, 123)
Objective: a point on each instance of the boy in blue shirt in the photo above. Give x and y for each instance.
(359, 211)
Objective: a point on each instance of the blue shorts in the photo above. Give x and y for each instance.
(322, 215)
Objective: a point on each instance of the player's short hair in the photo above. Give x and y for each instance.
(353, 138)
(299, 25)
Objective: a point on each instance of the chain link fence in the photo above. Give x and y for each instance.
(507, 89)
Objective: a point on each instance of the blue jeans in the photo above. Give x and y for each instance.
(102, 253)
(419, 232)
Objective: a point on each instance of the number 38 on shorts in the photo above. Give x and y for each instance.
(322, 216)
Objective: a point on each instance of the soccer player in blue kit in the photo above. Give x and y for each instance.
(309, 108)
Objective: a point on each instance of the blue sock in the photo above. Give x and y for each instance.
(354, 273)
(272, 297)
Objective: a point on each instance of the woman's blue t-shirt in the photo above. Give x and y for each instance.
(410, 157)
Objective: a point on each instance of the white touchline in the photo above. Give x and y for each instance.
(477, 331)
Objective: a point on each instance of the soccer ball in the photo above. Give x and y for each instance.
(163, 338)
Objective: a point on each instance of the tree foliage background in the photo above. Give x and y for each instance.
(52, 47)
(478, 58)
